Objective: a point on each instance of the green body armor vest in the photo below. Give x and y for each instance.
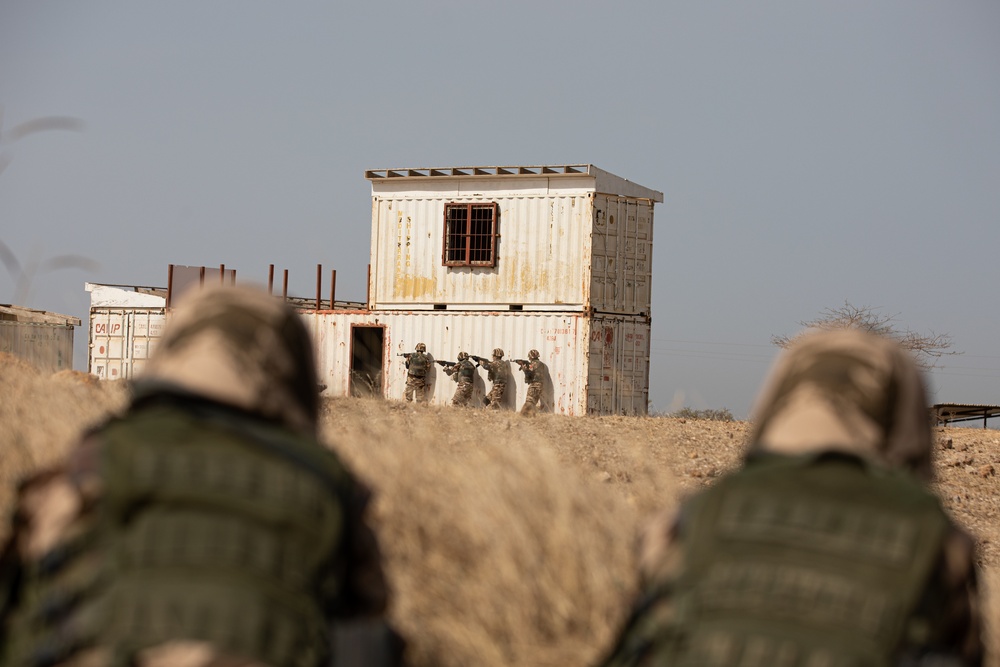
(531, 372)
(796, 562)
(417, 364)
(466, 371)
(213, 526)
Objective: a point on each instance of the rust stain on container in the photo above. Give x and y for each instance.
(415, 287)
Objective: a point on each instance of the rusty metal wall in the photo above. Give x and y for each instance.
(593, 365)
(621, 274)
(121, 340)
(562, 341)
(618, 352)
(49, 347)
(543, 253)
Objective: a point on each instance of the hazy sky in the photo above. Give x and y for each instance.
(809, 152)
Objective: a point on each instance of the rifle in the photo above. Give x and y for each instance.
(521, 362)
(404, 354)
(446, 364)
(479, 360)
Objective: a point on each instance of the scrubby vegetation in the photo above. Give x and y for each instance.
(721, 415)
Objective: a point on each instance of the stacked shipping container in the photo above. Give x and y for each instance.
(571, 277)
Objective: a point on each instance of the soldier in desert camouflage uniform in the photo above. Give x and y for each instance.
(417, 365)
(206, 526)
(464, 373)
(826, 548)
(496, 372)
(533, 378)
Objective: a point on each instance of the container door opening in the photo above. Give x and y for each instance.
(367, 369)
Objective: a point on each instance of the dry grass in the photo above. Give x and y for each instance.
(507, 541)
(42, 415)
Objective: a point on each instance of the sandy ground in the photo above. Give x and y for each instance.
(508, 540)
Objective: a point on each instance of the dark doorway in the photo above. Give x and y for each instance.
(366, 360)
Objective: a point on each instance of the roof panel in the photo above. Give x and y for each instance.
(606, 182)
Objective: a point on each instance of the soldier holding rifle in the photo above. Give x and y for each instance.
(464, 372)
(417, 365)
(531, 367)
(497, 374)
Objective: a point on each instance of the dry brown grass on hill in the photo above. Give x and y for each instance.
(508, 541)
(41, 415)
(500, 553)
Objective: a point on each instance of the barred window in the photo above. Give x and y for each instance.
(470, 234)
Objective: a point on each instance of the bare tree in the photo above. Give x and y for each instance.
(927, 349)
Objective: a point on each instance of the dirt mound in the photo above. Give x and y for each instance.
(11, 365)
(42, 415)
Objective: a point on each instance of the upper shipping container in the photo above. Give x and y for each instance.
(570, 238)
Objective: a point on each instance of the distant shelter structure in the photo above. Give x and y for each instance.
(556, 258)
(944, 414)
(42, 338)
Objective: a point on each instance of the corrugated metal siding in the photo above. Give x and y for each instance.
(121, 340)
(593, 365)
(543, 254)
(49, 347)
(618, 380)
(562, 341)
(622, 255)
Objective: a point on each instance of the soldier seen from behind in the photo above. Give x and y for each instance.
(417, 366)
(207, 525)
(464, 373)
(826, 547)
(532, 369)
(496, 371)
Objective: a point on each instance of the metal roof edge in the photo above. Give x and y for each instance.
(26, 315)
(480, 171)
(627, 187)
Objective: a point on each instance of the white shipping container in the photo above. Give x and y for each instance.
(621, 255)
(572, 238)
(618, 366)
(121, 340)
(591, 365)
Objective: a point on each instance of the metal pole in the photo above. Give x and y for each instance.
(270, 279)
(319, 283)
(201, 277)
(284, 286)
(222, 274)
(333, 286)
(170, 283)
